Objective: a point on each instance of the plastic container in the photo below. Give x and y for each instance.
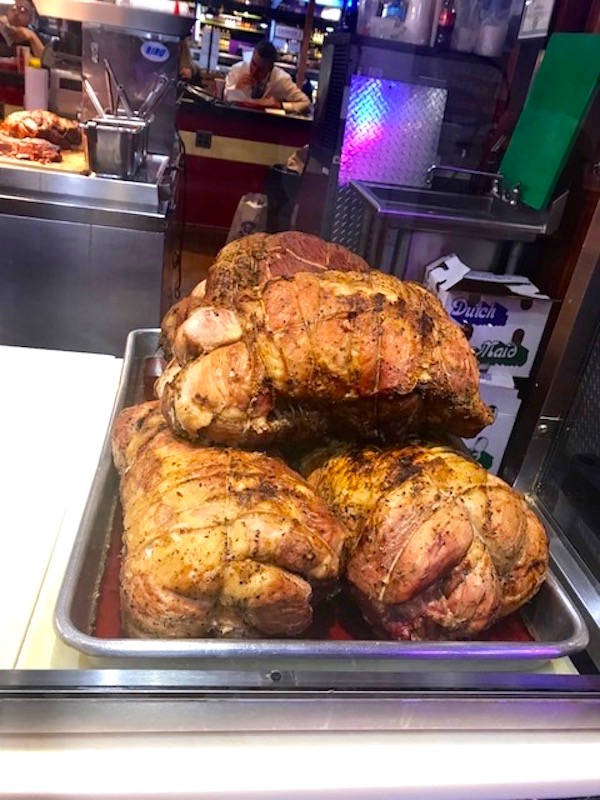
(36, 86)
(491, 38)
(466, 27)
(397, 20)
(493, 28)
(419, 22)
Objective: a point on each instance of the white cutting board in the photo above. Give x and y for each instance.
(55, 408)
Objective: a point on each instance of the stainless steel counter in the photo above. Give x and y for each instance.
(402, 228)
(82, 256)
(143, 734)
(144, 200)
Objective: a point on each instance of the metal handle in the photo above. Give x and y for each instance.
(499, 185)
(93, 96)
(155, 96)
(121, 93)
(109, 92)
(497, 177)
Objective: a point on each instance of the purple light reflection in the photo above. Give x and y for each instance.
(392, 131)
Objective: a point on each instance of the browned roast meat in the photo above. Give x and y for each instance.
(42, 124)
(440, 549)
(359, 351)
(29, 149)
(255, 259)
(247, 262)
(175, 317)
(217, 542)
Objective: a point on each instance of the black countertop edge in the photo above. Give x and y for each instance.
(217, 107)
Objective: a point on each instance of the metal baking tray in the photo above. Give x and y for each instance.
(87, 613)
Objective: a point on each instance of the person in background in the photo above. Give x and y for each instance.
(15, 29)
(265, 84)
(188, 69)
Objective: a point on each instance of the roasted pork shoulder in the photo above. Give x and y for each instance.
(217, 542)
(251, 261)
(38, 150)
(360, 353)
(42, 124)
(438, 547)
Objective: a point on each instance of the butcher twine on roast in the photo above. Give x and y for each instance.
(247, 262)
(217, 542)
(438, 547)
(354, 352)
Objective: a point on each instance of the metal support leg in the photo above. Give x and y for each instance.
(514, 256)
(401, 251)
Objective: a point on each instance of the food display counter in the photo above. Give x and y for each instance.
(69, 227)
(156, 733)
(86, 710)
(171, 726)
(67, 241)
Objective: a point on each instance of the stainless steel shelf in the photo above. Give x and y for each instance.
(140, 202)
(107, 13)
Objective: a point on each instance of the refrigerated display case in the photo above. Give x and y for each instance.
(302, 697)
(83, 714)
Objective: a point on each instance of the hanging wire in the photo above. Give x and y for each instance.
(177, 257)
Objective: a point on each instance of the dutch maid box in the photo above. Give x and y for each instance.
(504, 316)
(499, 392)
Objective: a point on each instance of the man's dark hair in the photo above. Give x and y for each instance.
(267, 51)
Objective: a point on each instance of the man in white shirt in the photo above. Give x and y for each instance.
(264, 84)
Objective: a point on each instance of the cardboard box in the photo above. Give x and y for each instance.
(504, 316)
(498, 391)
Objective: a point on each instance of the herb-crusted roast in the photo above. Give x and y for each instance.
(251, 261)
(438, 547)
(217, 542)
(356, 352)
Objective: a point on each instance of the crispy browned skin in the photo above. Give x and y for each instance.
(247, 262)
(42, 124)
(440, 549)
(216, 542)
(255, 259)
(31, 149)
(360, 351)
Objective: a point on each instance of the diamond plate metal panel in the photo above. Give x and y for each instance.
(348, 219)
(582, 432)
(392, 131)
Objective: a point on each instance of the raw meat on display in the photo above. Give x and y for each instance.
(438, 547)
(217, 542)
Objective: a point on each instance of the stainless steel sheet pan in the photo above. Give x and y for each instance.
(554, 625)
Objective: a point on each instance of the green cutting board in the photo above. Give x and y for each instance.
(558, 100)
